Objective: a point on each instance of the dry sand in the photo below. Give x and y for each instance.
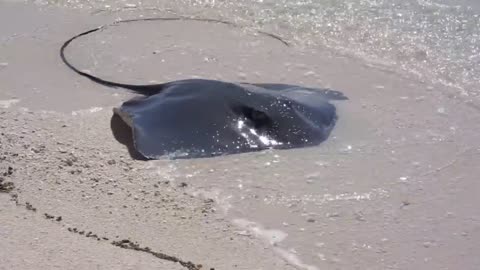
(394, 188)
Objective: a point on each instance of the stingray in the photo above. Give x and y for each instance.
(195, 118)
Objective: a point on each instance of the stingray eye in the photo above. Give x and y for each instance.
(259, 116)
(259, 119)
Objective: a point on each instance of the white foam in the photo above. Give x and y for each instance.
(272, 237)
(5, 104)
(293, 259)
(87, 111)
(318, 199)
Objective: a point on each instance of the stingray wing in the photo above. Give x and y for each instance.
(178, 126)
(194, 118)
(324, 92)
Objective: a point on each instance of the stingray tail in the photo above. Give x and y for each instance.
(139, 89)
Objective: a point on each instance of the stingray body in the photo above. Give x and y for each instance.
(204, 118)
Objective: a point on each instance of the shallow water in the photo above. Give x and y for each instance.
(435, 41)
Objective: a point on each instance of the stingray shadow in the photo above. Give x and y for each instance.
(123, 134)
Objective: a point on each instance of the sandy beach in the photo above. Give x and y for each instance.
(393, 188)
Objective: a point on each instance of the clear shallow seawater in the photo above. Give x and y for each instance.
(437, 41)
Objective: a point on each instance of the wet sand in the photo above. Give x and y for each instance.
(394, 187)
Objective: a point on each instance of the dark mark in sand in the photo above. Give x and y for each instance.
(14, 197)
(30, 207)
(5, 186)
(9, 171)
(125, 244)
(47, 216)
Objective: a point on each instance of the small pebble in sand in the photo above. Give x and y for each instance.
(406, 203)
(442, 111)
(130, 5)
(420, 98)
(308, 73)
(359, 216)
(332, 215)
(209, 59)
(427, 244)
(242, 76)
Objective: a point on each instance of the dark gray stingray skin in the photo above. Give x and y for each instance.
(205, 118)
